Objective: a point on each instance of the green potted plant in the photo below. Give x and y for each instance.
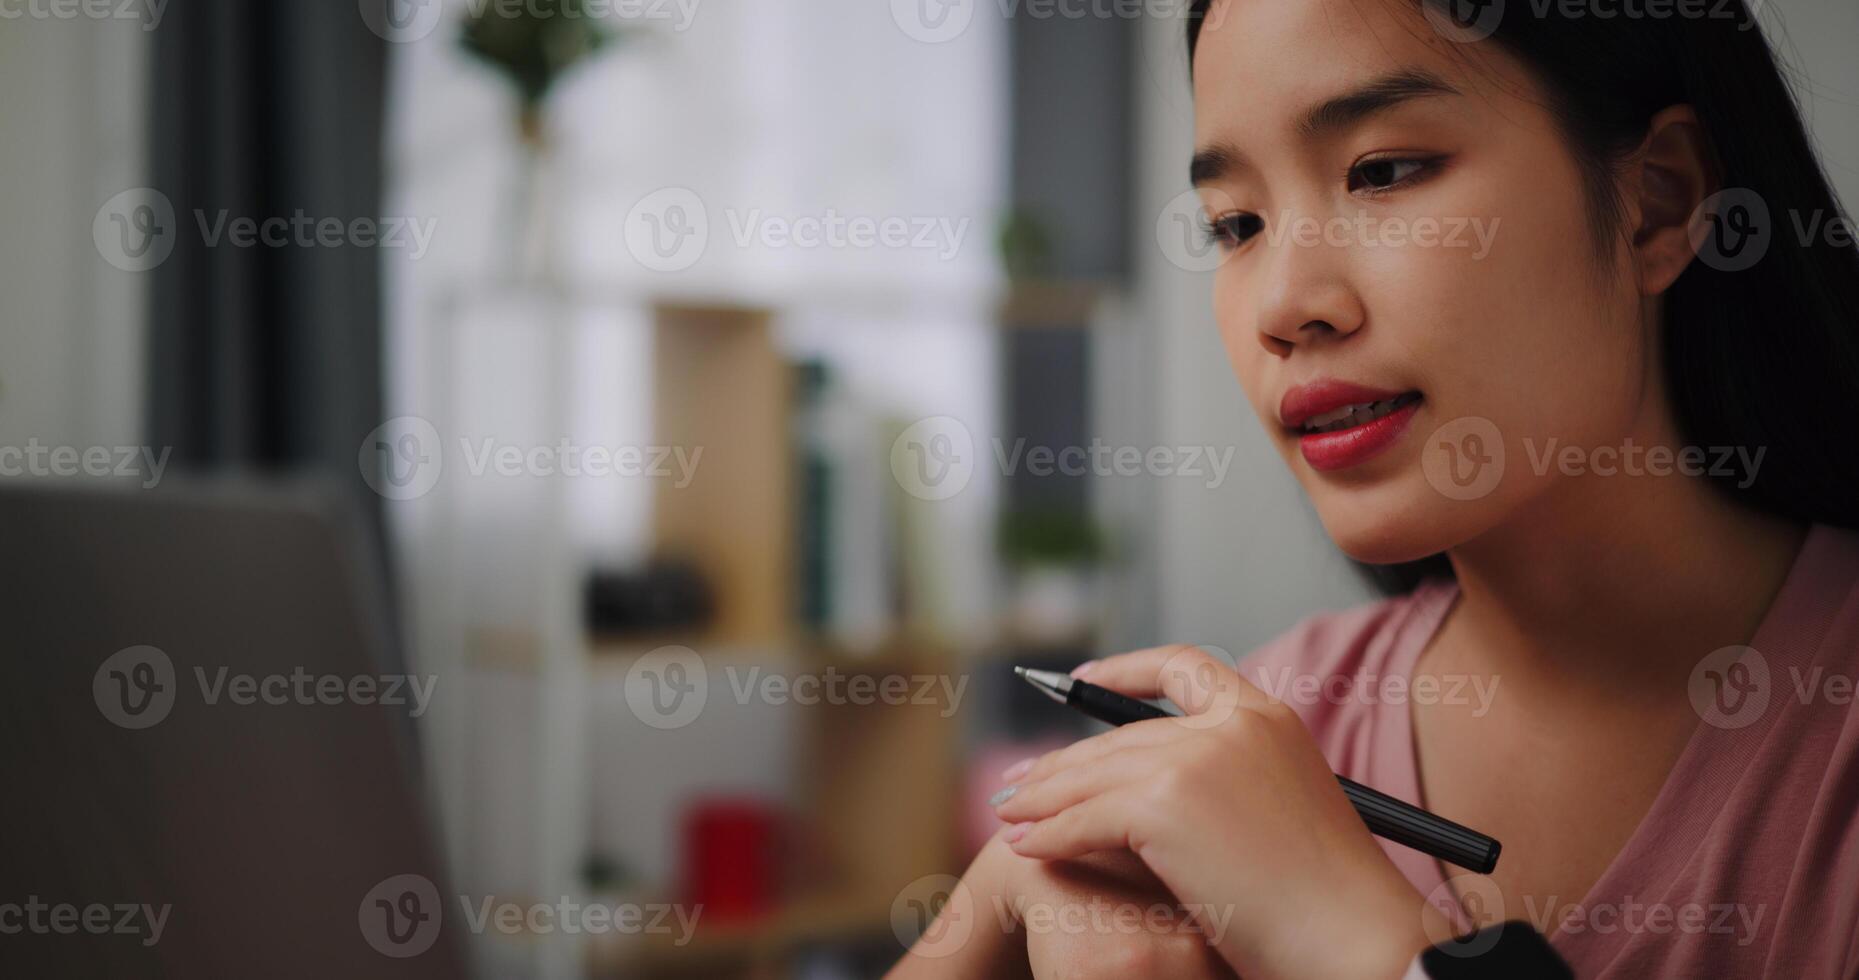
(1025, 245)
(535, 45)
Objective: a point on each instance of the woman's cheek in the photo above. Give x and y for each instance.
(1233, 318)
(1556, 361)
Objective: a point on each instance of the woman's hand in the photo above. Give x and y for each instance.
(1237, 813)
(1101, 915)
(967, 938)
(1106, 915)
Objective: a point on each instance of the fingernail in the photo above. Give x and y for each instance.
(1019, 769)
(1083, 668)
(1003, 796)
(1017, 831)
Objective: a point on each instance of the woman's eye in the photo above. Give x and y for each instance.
(1230, 230)
(1384, 174)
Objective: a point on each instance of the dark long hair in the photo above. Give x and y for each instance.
(1764, 357)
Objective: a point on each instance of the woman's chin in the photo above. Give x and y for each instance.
(1385, 550)
(1383, 529)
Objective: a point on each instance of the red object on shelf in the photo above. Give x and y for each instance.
(731, 849)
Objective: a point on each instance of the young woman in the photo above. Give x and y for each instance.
(1610, 457)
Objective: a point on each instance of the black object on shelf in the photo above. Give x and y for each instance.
(814, 475)
(665, 594)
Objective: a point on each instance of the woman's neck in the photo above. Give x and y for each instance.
(1615, 582)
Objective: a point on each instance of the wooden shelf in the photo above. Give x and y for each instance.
(1051, 303)
(724, 389)
(875, 796)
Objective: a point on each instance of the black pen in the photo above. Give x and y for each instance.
(1386, 816)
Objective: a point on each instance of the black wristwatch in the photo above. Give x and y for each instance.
(1505, 949)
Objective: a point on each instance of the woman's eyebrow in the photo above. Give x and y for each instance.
(1332, 115)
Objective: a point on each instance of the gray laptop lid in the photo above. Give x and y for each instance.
(202, 735)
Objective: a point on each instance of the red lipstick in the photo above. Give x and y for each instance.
(1339, 424)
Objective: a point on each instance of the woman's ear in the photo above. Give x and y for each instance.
(1674, 172)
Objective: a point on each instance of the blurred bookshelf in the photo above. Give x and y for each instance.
(873, 784)
(876, 795)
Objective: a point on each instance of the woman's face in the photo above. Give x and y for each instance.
(1427, 251)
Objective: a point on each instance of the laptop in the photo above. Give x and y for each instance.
(206, 743)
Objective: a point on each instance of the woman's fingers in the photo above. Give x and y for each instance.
(1075, 925)
(1152, 731)
(1101, 823)
(1195, 680)
(1037, 799)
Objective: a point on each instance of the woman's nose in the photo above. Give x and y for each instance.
(1308, 297)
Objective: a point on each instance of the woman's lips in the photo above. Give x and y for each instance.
(1348, 447)
(1348, 440)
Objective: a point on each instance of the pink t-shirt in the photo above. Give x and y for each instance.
(1747, 864)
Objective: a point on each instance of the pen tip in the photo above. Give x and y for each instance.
(1019, 672)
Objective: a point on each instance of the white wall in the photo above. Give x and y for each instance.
(1818, 38)
(71, 325)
